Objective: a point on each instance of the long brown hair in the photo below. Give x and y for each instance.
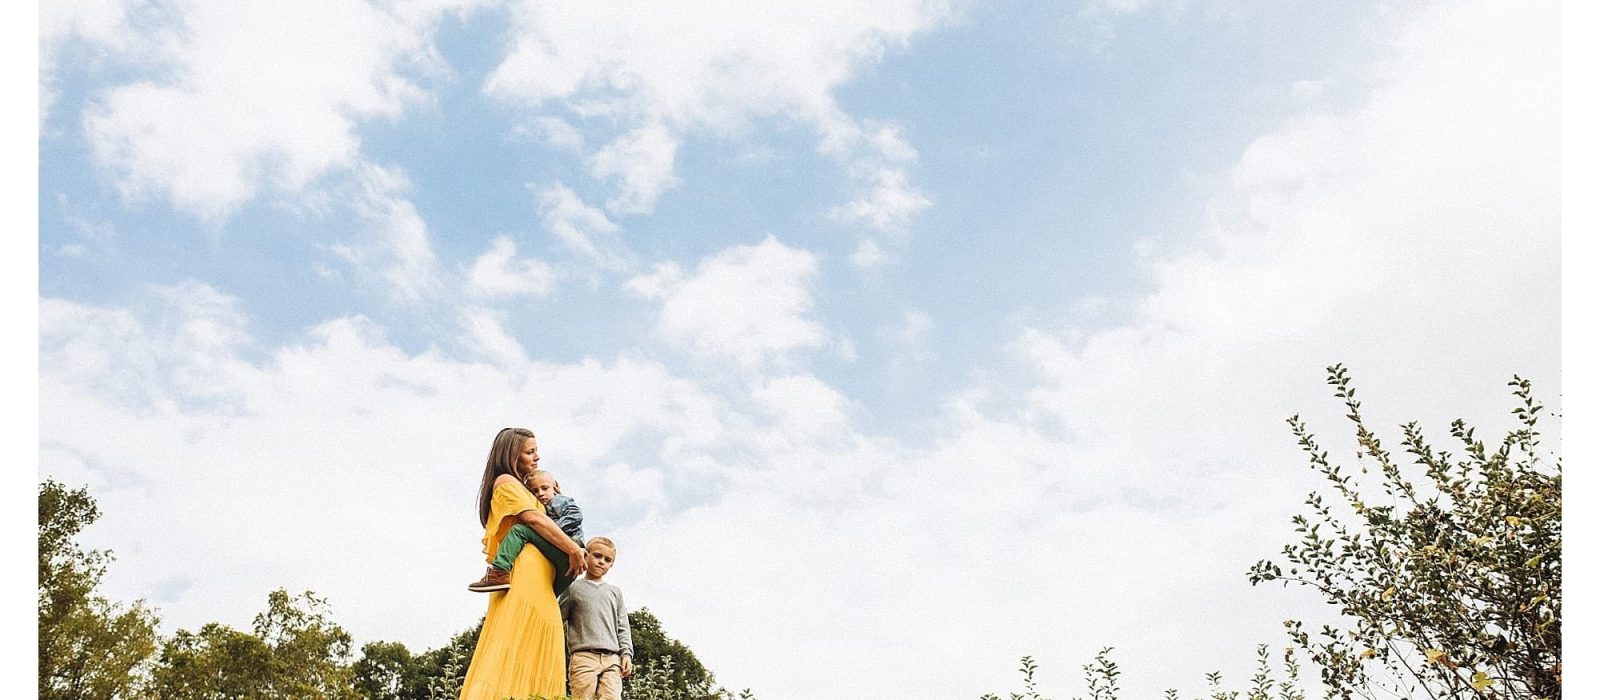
(504, 457)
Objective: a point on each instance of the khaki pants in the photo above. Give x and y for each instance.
(595, 675)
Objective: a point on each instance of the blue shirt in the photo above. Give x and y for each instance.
(567, 515)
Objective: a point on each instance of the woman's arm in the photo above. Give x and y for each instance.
(547, 528)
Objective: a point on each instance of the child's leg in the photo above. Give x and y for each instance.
(609, 683)
(520, 535)
(583, 669)
(511, 545)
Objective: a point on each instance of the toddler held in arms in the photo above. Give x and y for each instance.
(567, 516)
(599, 642)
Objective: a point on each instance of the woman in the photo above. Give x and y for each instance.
(521, 650)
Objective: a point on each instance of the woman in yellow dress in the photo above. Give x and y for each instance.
(521, 650)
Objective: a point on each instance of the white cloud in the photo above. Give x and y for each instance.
(868, 254)
(879, 155)
(558, 133)
(1391, 239)
(810, 501)
(1414, 238)
(684, 65)
(487, 337)
(96, 22)
(394, 250)
(1307, 90)
(499, 273)
(1119, 497)
(1116, 7)
(663, 70)
(805, 408)
(641, 160)
(845, 347)
(257, 96)
(327, 272)
(1098, 17)
(750, 304)
(582, 228)
(340, 439)
(888, 205)
(628, 486)
(175, 347)
(916, 328)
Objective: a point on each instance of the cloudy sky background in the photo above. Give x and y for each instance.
(891, 342)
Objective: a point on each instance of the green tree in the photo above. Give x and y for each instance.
(665, 668)
(294, 652)
(389, 671)
(311, 654)
(1448, 571)
(89, 647)
(385, 671)
(440, 671)
(215, 663)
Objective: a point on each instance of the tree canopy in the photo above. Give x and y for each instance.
(89, 647)
(293, 651)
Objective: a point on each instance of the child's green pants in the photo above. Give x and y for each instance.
(520, 535)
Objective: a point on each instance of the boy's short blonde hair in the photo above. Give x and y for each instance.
(544, 473)
(605, 541)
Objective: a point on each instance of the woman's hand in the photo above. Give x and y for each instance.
(576, 563)
(551, 533)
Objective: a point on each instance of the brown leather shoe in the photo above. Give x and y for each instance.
(493, 580)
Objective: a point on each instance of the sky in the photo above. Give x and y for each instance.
(890, 341)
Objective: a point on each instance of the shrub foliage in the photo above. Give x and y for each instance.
(1447, 569)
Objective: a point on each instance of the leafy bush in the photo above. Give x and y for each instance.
(1447, 570)
(1100, 677)
(665, 668)
(1451, 582)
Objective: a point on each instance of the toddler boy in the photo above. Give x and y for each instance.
(599, 642)
(567, 516)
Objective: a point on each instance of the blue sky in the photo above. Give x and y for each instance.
(994, 310)
(1029, 126)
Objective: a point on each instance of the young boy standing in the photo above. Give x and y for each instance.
(599, 643)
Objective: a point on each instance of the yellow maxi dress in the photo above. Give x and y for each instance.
(522, 650)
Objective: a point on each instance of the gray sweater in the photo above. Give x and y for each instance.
(596, 619)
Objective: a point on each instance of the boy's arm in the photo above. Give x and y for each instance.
(624, 632)
(624, 636)
(568, 516)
